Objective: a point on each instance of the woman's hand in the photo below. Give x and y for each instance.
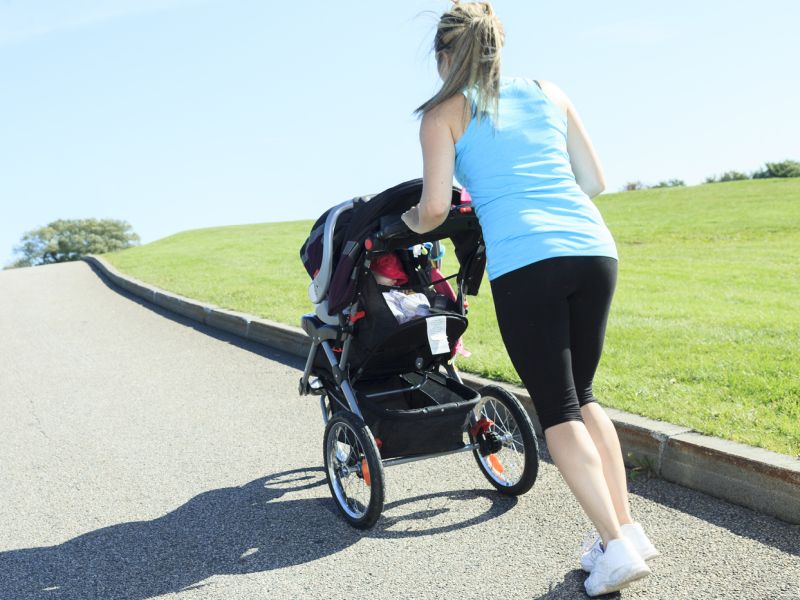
(438, 158)
(411, 218)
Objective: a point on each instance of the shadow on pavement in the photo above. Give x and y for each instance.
(429, 514)
(571, 588)
(736, 519)
(253, 528)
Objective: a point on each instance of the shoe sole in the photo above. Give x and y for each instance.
(647, 556)
(625, 581)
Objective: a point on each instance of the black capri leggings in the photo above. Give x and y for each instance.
(552, 316)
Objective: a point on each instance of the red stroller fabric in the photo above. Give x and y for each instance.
(389, 265)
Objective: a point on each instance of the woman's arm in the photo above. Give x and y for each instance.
(438, 158)
(582, 156)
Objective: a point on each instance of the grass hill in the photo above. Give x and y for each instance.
(705, 325)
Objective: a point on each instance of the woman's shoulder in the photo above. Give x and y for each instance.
(513, 81)
(452, 109)
(451, 113)
(516, 82)
(547, 85)
(555, 94)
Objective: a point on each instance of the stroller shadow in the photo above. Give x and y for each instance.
(437, 505)
(252, 528)
(225, 531)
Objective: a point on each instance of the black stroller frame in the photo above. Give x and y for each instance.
(425, 412)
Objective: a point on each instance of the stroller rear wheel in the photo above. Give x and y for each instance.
(508, 455)
(354, 469)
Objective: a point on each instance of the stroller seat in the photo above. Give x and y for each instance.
(412, 346)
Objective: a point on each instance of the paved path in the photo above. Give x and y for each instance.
(144, 456)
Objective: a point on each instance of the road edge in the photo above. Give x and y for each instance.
(762, 480)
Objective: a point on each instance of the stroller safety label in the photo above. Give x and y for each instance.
(437, 335)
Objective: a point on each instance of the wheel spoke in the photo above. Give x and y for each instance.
(502, 418)
(345, 454)
(512, 453)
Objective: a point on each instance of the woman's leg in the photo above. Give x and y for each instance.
(534, 317)
(605, 439)
(589, 308)
(580, 464)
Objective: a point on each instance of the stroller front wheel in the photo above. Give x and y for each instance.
(354, 469)
(509, 453)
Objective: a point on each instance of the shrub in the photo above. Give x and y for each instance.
(786, 168)
(733, 176)
(727, 176)
(670, 183)
(632, 186)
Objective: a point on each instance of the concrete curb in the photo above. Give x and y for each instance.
(759, 479)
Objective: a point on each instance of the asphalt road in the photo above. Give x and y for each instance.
(143, 455)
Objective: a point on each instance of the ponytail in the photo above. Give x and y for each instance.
(471, 36)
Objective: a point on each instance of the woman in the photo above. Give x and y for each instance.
(520, 149)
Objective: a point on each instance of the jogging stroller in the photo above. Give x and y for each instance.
(389, 391)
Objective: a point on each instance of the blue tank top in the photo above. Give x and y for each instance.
(523, 190)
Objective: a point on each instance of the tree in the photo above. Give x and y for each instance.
(787, 168)
(66, 240)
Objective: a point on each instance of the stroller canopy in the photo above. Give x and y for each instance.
(369, 215)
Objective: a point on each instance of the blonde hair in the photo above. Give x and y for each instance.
(472, 36)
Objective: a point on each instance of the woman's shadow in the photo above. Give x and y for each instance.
(252, 528)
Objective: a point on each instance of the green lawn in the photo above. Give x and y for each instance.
(704, 330)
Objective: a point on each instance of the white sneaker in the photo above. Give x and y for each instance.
(616, 568)
(640, 541)
(591, 554)
(632, 532)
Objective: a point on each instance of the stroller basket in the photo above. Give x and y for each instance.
(426, 420)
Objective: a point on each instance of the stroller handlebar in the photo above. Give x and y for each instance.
(391, 227)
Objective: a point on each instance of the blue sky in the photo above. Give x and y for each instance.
(180, 114)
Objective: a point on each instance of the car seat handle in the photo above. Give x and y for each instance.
(318, 288)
